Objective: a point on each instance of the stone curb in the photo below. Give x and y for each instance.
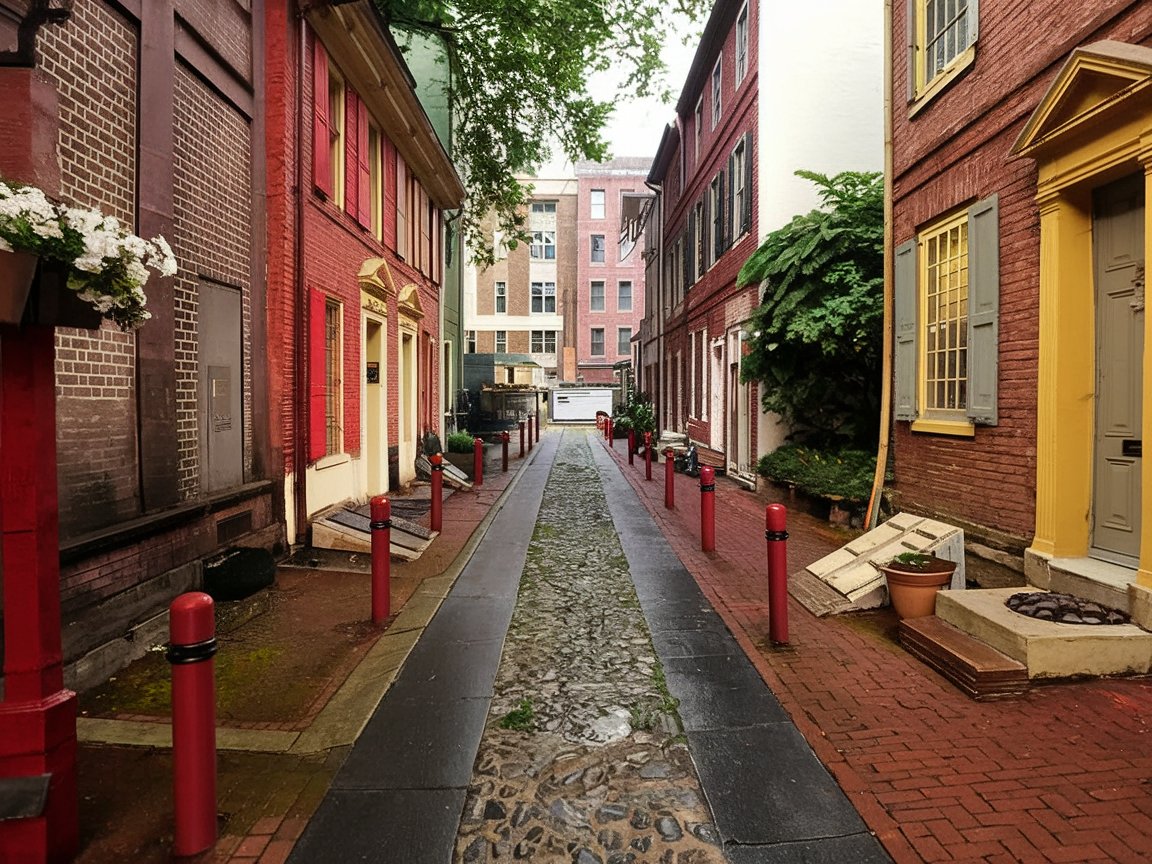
(342, 719)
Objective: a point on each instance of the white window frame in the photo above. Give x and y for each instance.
(742, 45)
(592, 297)
(469, 341)
(500, 298)
(620, 307)
(699, 124)
(623, 346)
(717, 91)
(592, 238)
(540, 340)
(716, 226)
(543, 246)
(597, 204)
(739, 169)
(546, 292)
(592, 342)
(543, 207)
(501, 346)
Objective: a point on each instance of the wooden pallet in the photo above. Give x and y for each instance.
(982, 672)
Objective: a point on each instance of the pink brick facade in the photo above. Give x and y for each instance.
(610, 182)
(956, 150)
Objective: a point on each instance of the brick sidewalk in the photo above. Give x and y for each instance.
(1063, 774)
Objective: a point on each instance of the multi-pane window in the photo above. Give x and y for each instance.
(501, 298)
(699, 241)
(543, 207)
(376, 181)
(944, 313)
(624, 340)
(470, 341)
(543, 245)
(739, 187)
(716, 209)
(336, 133)
(332, 382)
(543, 341)
(596, 296)
(596, 204)
(741, 44)
(944, 30)
(597, 341)
(543, 298)
(624, 296)
(501, 341)
(717, 95)
(598, 248)
(696, 127)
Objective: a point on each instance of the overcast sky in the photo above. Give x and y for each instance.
(636, 125)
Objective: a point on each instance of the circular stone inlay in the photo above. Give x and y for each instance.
(1063, 608)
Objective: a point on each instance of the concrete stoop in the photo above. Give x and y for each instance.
(1047, 649)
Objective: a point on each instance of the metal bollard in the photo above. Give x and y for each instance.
(611, 440)
(529, 433)
(381, 526)
(191, 647)
(631, 446)
(504, 436)
(708, 509)
(775, 521)
(437, 492)
(478, 461)
(537, 427)
(647, 455)
(669, 479)
(521, 439)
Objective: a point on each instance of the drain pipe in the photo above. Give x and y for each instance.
(300, 405)
(885, 432)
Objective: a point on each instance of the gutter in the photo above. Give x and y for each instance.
(872, 517)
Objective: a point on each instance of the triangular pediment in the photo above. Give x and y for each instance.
(1095, 78)
(375, 278)
(410, 302)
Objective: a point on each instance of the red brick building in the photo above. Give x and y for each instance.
(1020, 172)
(160, 456)
(358, 185)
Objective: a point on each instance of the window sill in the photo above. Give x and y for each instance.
(942, 81)
(958, 428)
(332, 461)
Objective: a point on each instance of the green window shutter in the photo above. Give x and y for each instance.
(983, 310)
(904, 393)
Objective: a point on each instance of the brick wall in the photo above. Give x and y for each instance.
(954, 152)
(213, 224)
(96, 372)
(225, 25)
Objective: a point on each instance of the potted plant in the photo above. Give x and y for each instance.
(96, 259)
(913, 580)
(459, 450)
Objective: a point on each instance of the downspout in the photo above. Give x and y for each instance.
(885, 432)
(299, 324)
(658, 311)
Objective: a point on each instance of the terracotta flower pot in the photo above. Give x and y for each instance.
(912, 588)
(17, 270)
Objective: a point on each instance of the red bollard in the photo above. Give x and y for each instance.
(437, 491)
(608, 423)
(631, 446)
(504, 451)
(478, 462)
(521, 439)
(669, 479)
(775, 521)
(708, 509)
(647, 455)
(381, 526)
(192, 644)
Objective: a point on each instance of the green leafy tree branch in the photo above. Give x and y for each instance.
(520, 73)
(817, 336)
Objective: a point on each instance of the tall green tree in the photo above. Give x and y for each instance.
(520, 80)
(816, 344)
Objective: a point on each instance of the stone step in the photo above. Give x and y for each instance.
(981, 672)
(1047, 649)
(1091, 579)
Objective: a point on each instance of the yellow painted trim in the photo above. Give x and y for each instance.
(1103, 142)
(1144, 574)
(945, 427)
(951, 72)
(409, 302)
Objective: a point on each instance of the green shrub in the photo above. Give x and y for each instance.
(460, 442)
(844, 474)
(636, 414)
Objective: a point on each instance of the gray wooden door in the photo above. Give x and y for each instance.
(221, 387)
(1118, 239)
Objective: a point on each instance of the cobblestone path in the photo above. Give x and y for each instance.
(581, 759)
